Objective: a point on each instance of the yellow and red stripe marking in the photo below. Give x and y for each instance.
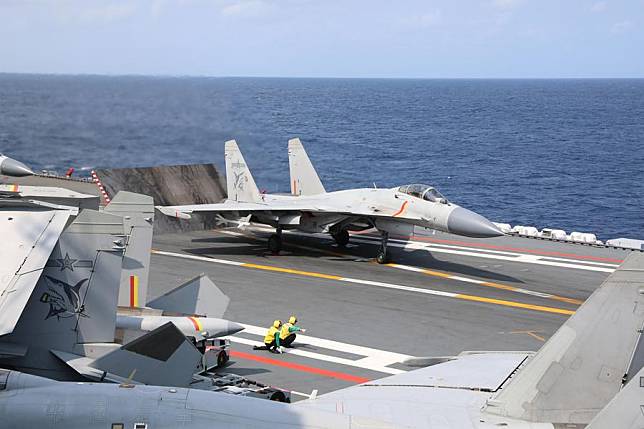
(14, 188)
(134, 291)
(299, 367)
(402, 209)
(196, 323)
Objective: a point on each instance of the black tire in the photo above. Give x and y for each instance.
(279, 397)
(222, 358)
(382, 258)
(341, 238)
(274, 244)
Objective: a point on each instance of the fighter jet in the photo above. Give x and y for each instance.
(589, 374)
(11, 167)
(310, 208)
(60, 274)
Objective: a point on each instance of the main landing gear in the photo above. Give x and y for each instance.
(275, 242)
(382, 257)
(341, 237)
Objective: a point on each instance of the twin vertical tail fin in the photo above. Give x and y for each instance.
(304, 178)
(137, 211)
(588, 360)
(240, 183)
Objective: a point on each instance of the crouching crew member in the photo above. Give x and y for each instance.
(272, 339)
(287, 333)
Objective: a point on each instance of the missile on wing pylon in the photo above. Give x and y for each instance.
(191, 326)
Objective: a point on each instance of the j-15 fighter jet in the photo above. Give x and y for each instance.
(310, 208)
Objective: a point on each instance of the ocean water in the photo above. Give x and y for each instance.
(550, 153)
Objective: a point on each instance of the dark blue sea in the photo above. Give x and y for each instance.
(549, 153)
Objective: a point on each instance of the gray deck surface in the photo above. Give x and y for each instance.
(384, 318)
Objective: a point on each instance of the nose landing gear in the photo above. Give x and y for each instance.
(383, 257)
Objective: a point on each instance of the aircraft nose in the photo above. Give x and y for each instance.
(11, 167)
(462, 221)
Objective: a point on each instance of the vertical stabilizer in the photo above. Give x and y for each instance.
(304, 178)
(137, 211)
(240, 183)
(74, 300)
(585, 363)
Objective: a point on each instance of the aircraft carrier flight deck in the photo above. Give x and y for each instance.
(439, 296)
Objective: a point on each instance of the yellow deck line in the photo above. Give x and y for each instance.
(422, 270)
(512, 288)
(514, 304)
(487, 284)
(312, 274)
(290, 271)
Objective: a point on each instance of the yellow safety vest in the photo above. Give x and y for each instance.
(285, 330)
(270, 335)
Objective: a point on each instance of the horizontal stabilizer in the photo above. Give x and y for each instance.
(198, 296)
(172, 212)
(304, 178)
(163, 357)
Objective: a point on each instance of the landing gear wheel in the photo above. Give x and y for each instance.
(382, 258)
(341, 238)
(275, 244)
(222, 358)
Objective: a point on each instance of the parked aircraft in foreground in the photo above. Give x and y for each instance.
(311, 209)
(588, 374)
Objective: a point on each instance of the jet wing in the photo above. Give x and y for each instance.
(442, 391)
(280, 205)
(28, 238)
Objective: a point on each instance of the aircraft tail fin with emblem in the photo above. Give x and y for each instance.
(304, 178)
(240, 183)
(581, 368)
(74, 300)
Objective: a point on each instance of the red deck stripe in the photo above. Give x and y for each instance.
(298, 367)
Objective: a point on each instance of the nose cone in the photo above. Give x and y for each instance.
(465, 222)
(233, 328)
(220, 328)
(11, 167)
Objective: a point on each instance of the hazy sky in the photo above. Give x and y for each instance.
(441, 38)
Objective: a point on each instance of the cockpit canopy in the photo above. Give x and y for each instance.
(426, 192)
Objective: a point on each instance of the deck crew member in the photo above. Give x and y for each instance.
(287, 333)
(272, 339)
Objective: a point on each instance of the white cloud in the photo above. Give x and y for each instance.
(621, 27)
(599, 6)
